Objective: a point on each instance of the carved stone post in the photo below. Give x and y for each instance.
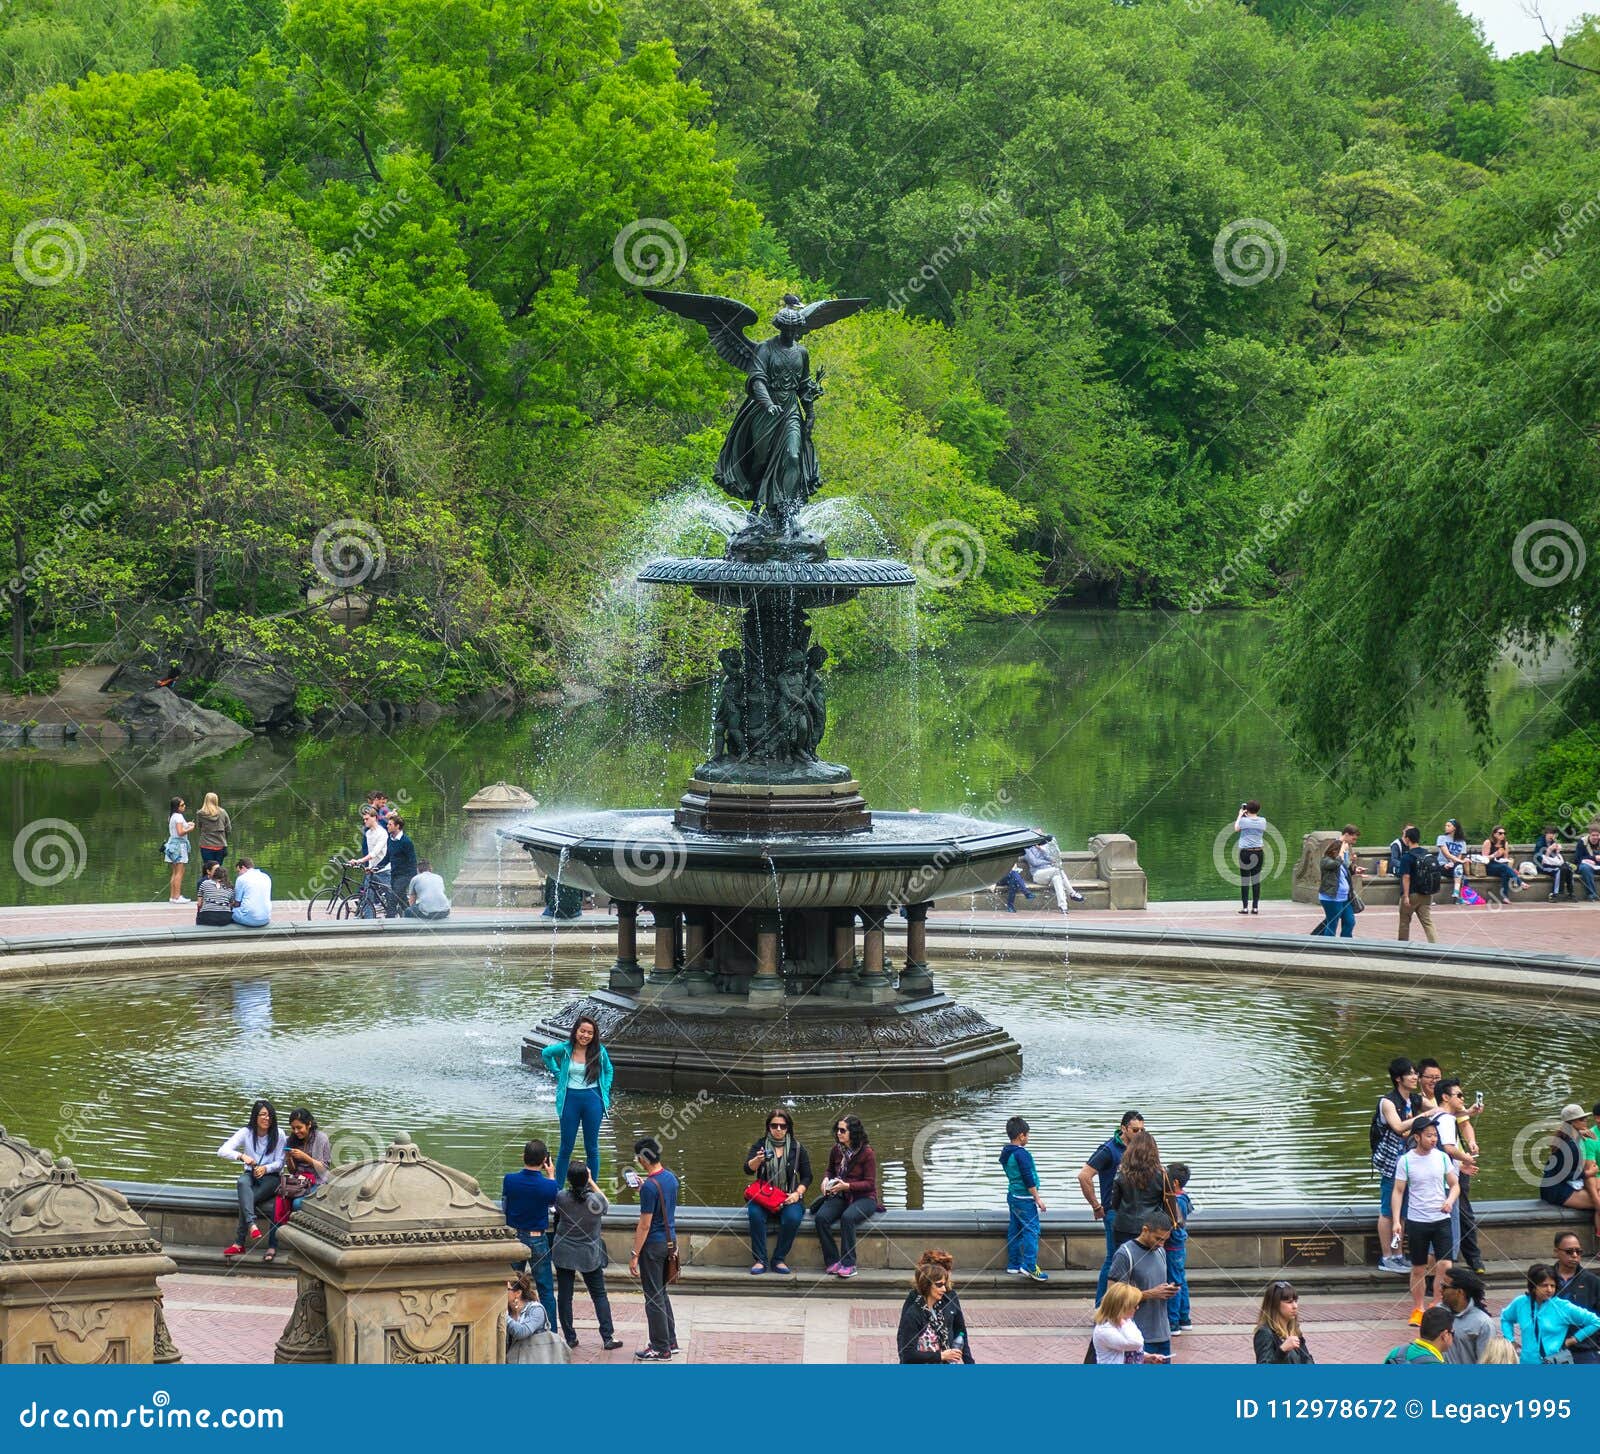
(78, 1270)
(626, 976)
(401, 1260)
(915, 980)
(696, 951)
(873, 974)
(842, 965)
(18, 1159)
(668, 951)
(496, 874)
(766, 988)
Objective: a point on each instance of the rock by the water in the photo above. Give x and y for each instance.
(163, 716)
(267, 691)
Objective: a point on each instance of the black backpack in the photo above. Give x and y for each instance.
(1425, 877)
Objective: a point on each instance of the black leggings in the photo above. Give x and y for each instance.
(1250, 860)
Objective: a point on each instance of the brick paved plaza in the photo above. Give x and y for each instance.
(237, 1319)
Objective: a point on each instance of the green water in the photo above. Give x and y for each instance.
(1263, 1088)
(1153, 725)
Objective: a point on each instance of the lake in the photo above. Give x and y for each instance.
(1151, 724)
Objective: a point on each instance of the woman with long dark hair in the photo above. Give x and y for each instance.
(1278, 1338)
(849, 1195)
(781, 1167)
(306, 1159)
(260, 1146)
(583, 1091)
(1139, 1188)
(1497, 862)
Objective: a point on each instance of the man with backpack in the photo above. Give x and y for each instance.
(1419, 882)
(1390, 1135)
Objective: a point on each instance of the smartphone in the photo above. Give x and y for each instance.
(1477, 1100)
(632, 1178)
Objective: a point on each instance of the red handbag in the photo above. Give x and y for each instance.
(765, 1195)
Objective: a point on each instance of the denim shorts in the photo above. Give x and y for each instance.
(1385, 1196)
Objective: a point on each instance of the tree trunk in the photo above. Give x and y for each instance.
(19, 604)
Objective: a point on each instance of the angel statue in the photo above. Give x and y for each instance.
(768, 457)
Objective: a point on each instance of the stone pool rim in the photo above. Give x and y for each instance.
(30, 961)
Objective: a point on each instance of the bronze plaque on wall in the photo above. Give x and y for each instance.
(1321, 1249)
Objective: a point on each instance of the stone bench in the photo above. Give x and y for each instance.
(1380, 887)
(1319, 1245)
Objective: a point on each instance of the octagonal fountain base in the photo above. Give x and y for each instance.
(813, 1045)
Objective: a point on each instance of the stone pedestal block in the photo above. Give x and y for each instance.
(1116, 858)
(1308, 871)
(17, 1159)
(401, 1260)
(78, 1270)
(496, 874)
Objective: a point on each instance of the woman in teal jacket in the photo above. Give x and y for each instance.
(583, 1092)
(1546, 1322)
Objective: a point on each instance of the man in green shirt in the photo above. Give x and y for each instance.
(1432, 1341)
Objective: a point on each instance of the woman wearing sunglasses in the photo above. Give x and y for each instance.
(1278, 1335)
(781, 1167)
(849, 1195)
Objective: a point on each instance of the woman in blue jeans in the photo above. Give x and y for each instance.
(780, 1163)
(1336, 890)
(583, 1091)
(849, 1196)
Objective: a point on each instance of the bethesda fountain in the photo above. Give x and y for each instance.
(771, 883)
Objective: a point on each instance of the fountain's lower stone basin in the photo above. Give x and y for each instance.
(639, 855)
(757, 980)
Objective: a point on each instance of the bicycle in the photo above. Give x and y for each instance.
(346, 901)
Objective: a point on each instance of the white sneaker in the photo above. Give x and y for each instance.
(180, 900)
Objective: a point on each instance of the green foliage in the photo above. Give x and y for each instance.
(1560, 787)
(219, 699)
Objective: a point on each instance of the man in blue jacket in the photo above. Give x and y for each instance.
(1103, 1164)
(527, 1196)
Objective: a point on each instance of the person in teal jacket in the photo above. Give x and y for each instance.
(583, 1092)
(1547, 1324)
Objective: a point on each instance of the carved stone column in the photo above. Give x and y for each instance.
(842, 956)
(766, 987)
(626, 976)
(697, 978)
(401, 1260)
(78, 1270)
(668, 950)
(874, 972)
(915, 980)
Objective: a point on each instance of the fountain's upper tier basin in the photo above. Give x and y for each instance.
(809, 583)
(639, 855)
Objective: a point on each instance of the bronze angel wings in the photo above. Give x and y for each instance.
(726, 319)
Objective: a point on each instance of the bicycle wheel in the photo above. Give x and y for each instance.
(349, 908)
(326, 903)
(387, 904)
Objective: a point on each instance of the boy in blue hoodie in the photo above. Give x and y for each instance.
(1178, 1250)
(1024, 1203)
